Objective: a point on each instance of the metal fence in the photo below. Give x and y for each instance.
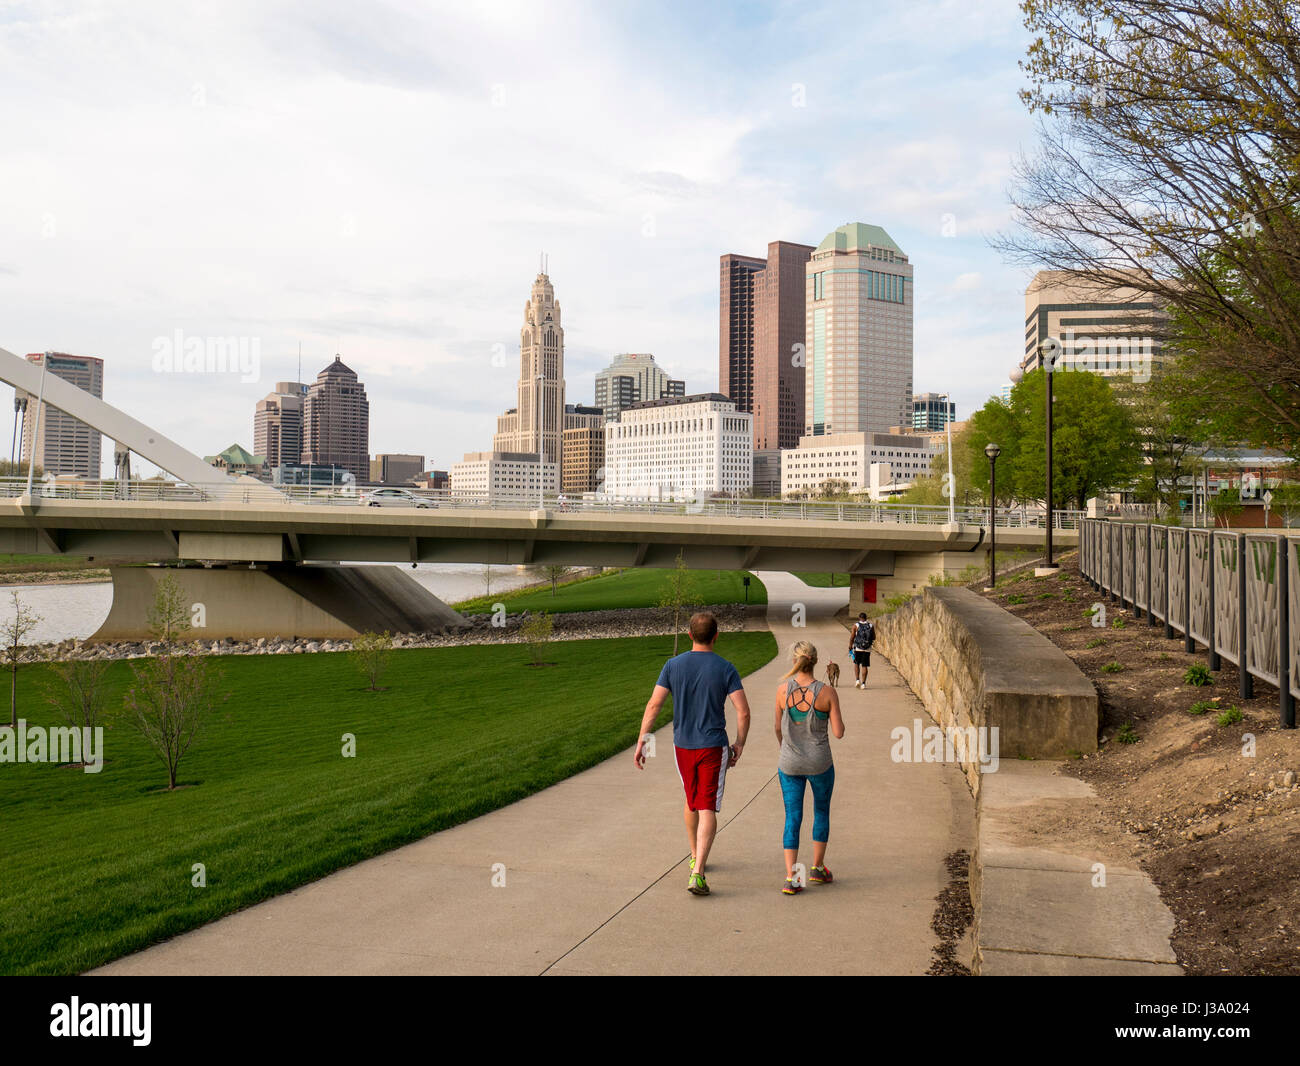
(262, 495)
(1235, 594)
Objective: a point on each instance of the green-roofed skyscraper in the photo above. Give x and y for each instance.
(859, 333)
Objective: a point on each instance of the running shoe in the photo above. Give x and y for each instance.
(819, 875)
(792, 887)
(698, 885)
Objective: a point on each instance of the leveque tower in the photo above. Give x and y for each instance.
(539, 412)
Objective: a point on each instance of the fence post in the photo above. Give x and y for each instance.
(1188, 643)
(1286, 701)
(1246, 688)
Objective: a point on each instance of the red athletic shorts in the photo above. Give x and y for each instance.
(703, 771)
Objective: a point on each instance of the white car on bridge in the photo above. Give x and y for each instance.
(394, 498)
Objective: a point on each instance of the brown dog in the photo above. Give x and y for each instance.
(833, 675)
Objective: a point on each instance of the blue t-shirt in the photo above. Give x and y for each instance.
(700, 682)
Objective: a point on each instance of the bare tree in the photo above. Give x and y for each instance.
(173, 694)
(536, 630)
(555, 573)
(674, 596)
(80, 699)
(15, 633)
(1169, 160)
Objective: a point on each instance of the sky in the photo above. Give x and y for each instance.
(378, 180)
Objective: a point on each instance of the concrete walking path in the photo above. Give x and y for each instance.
(595, 866)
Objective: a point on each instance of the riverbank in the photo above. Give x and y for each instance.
(587, 625)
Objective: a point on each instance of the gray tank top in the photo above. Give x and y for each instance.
(805, 738)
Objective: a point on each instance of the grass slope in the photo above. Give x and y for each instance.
(96, 866)
(625, 588)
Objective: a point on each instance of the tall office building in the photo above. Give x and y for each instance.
(277, 424)
(66, 445)
(633, 378)
(932, 411)
(761, 328)
(583, 452)
(540, 407)
(336, 421)
(1113, 330)
(859, 330)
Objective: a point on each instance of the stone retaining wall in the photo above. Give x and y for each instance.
(975, 667)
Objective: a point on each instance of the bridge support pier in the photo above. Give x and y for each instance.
(911, 571)
(242, 603)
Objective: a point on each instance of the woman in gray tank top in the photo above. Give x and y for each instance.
(807, 713)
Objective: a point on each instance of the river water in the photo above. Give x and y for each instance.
(76, 611)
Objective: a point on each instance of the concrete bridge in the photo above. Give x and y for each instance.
(266, 568)
(265, 559)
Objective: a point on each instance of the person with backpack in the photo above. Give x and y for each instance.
(807, 712)
(860, 641)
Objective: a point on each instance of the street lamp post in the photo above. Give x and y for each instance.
(1048, 352)
(993, 451)
(952, 484)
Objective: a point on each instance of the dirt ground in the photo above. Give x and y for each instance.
(1214, 826)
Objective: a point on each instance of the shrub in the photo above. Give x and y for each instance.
(1096, 642)
(1228, 717)
(1127, 734)
(1198, 674)
(536, 630)
(1015, 597)
(1117, 623)
(1112, 668)
(370, 654)
(1201, 706)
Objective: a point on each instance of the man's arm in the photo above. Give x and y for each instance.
(741, 704)
(652, 710)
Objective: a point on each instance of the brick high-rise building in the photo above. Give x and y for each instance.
(66, 445)
(583, 454)
(761, 330)
(277, 424)
(336, 421)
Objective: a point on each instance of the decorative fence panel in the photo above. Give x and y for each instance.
(1160, 571)
(1177, 579)
(1236, 594)
(1227, 618)
(1141, 589)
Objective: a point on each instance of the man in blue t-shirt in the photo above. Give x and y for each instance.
(700, 683)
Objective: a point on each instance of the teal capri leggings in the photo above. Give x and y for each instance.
(792, 792)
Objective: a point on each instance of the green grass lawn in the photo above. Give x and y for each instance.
(626, 588)
(94, 866)
(26, 564)
(822, 580)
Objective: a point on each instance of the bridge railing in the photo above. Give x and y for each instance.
(1235, 594)
(234, 491)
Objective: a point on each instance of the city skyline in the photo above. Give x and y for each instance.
(330, 248)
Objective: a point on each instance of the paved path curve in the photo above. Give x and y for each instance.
(595, 867)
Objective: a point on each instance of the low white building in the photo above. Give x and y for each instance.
(502, 475)
(849, 457)
(679, 447)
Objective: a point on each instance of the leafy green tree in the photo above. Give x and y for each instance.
(1095, 444)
